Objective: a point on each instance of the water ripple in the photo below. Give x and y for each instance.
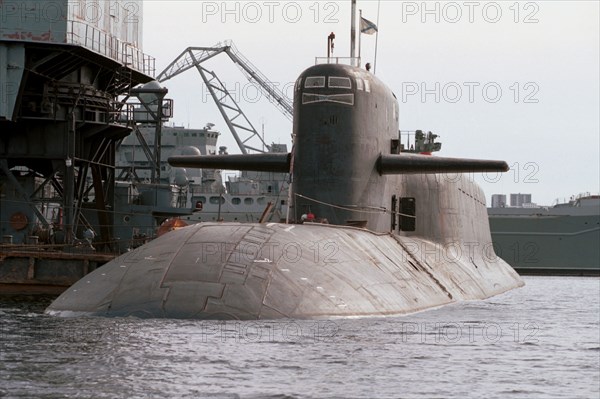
(539, 341)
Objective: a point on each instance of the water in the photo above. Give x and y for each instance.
(539, 341)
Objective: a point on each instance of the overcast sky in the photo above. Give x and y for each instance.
(499, 80)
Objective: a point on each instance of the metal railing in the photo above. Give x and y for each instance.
(92, 38)
(353, 61)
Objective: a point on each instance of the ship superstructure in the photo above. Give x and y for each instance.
(201, 195)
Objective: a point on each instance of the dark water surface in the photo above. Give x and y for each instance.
(540, 341)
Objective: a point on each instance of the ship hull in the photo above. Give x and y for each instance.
(552, 241)
(257, 271)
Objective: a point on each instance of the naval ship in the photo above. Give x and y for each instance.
(242, 197)
(561, 239)
(389, 232)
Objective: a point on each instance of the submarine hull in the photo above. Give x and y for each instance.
(270, 271)
(424, 239)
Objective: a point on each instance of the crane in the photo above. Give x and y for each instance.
(233, 115)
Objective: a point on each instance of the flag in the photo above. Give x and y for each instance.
(367, 27)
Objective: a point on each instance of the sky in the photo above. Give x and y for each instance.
(517, 81)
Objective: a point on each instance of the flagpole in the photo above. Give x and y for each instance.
(359, 38)
(353, 34)
(376, 38)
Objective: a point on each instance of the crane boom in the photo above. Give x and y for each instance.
(233, 115)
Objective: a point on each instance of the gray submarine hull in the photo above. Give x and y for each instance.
(269, 271)
(426, 240)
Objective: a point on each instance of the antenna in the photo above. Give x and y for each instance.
(330, 45)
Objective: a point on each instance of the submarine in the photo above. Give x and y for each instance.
(373, 231)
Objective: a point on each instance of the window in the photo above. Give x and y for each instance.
(367, 86)
(261, 201)
(236, 201)
(309, 98)
(248, 201)
(359, 84)
(340, 82)
(314, 81)
(216, 200)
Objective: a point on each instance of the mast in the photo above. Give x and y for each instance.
(359, 41)
(353, 34)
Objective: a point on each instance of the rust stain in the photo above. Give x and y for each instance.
(44, 37)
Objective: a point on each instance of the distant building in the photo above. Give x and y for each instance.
(519, 200)
(498, 200)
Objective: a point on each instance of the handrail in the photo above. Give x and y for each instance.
(337, 60)
(80, 33)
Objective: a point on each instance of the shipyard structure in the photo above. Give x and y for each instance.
(66, 69)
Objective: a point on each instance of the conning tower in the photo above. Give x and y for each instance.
(344, 119)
